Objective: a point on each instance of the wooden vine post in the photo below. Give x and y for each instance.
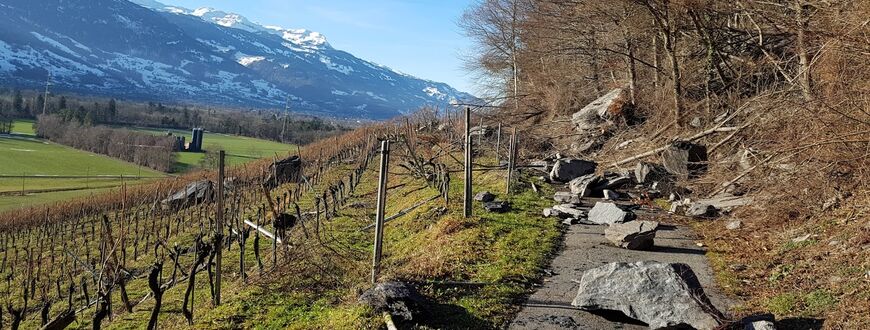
(381, 206)
(219, 229)
(468, 160)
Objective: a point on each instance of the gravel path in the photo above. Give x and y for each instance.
(584, 247)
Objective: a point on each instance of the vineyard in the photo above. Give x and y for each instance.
(283, 243)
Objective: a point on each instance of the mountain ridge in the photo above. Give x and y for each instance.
(147, 50)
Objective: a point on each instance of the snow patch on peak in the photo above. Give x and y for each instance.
(434, 92)
(230, 20)
(301, 37)
(247, 60)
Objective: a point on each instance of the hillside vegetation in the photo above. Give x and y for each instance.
(775, 90)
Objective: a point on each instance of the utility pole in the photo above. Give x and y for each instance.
(379, 217)
(219, 234)
(468, 160)
(45, 98)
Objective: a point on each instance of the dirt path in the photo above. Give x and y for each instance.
(584, 247)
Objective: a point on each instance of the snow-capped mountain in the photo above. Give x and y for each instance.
(148, 50)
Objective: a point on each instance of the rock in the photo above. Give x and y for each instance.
(194, 193)
(617, 182)
(733, 225)
(608, 213)
(565, 170)
(397, 298)
(550, 212)
(497, 206)
(725, 203)
(759, 322)
(649, 172)
(696, 122)
(608, 107)
(484, 196)
(738, 267)
(700, 210)
(632, 235)
(658, 294)
(587, 185)
(542, 165)
(801, 239)
(569, 210)
(610, 194)
(685, 160)
(566, 197)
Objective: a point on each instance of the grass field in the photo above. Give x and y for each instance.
(23, 127)
(239, 149)
(46, 172)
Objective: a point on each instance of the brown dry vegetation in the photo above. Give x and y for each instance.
(790, 78)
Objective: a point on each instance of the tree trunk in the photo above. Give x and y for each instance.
(803, 58)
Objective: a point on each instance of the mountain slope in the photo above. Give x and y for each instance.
(118, 48)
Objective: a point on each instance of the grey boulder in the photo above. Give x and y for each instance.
(604, 213)
(588, 185)
(661, 295)
(685, 159)
(397, 298)
(565, 170)
(497, 206)
(570, 210)
(700, 210)
(632, 235)
(484, 196)
(649, 172)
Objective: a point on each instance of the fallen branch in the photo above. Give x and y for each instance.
(658, 150)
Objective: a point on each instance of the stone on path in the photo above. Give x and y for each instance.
(608, 213)
(566, 197)
(658, 294)
(565, 170)
(570, 210)
(484, 196)
(632, 235)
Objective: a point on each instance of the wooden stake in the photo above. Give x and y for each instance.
(381, 207)
(219, 227)
(512, 154)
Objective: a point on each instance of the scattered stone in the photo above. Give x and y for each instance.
(566, 197)
(550, 212)
(696, 122)
(623, 144)
(733, 225)
(649, 172)
(570, 210)
(610, 194)
(565, 170)
(588, 185)
(608, 213)
(397, 298)
(738, 267)
(759, 322)
(726, 203)
(685, 159)
(497, 206)
(800, 239)
(484, 196)
(659, 294)
(632, 235)
(617, 182)
(700, 210)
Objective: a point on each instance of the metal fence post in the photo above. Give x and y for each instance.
(468, 165)
(381, 206)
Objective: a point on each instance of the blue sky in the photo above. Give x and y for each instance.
(418, 37)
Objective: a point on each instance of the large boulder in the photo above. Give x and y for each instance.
(567, 169)
(649, 172)
(659, 294)
(497, 206)
(685, 159)
(287, 170)
(397, 298)
(589, 185)
(604, 213)
(194, 193)
(484, 196)
(632, 235)
(606, 108)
